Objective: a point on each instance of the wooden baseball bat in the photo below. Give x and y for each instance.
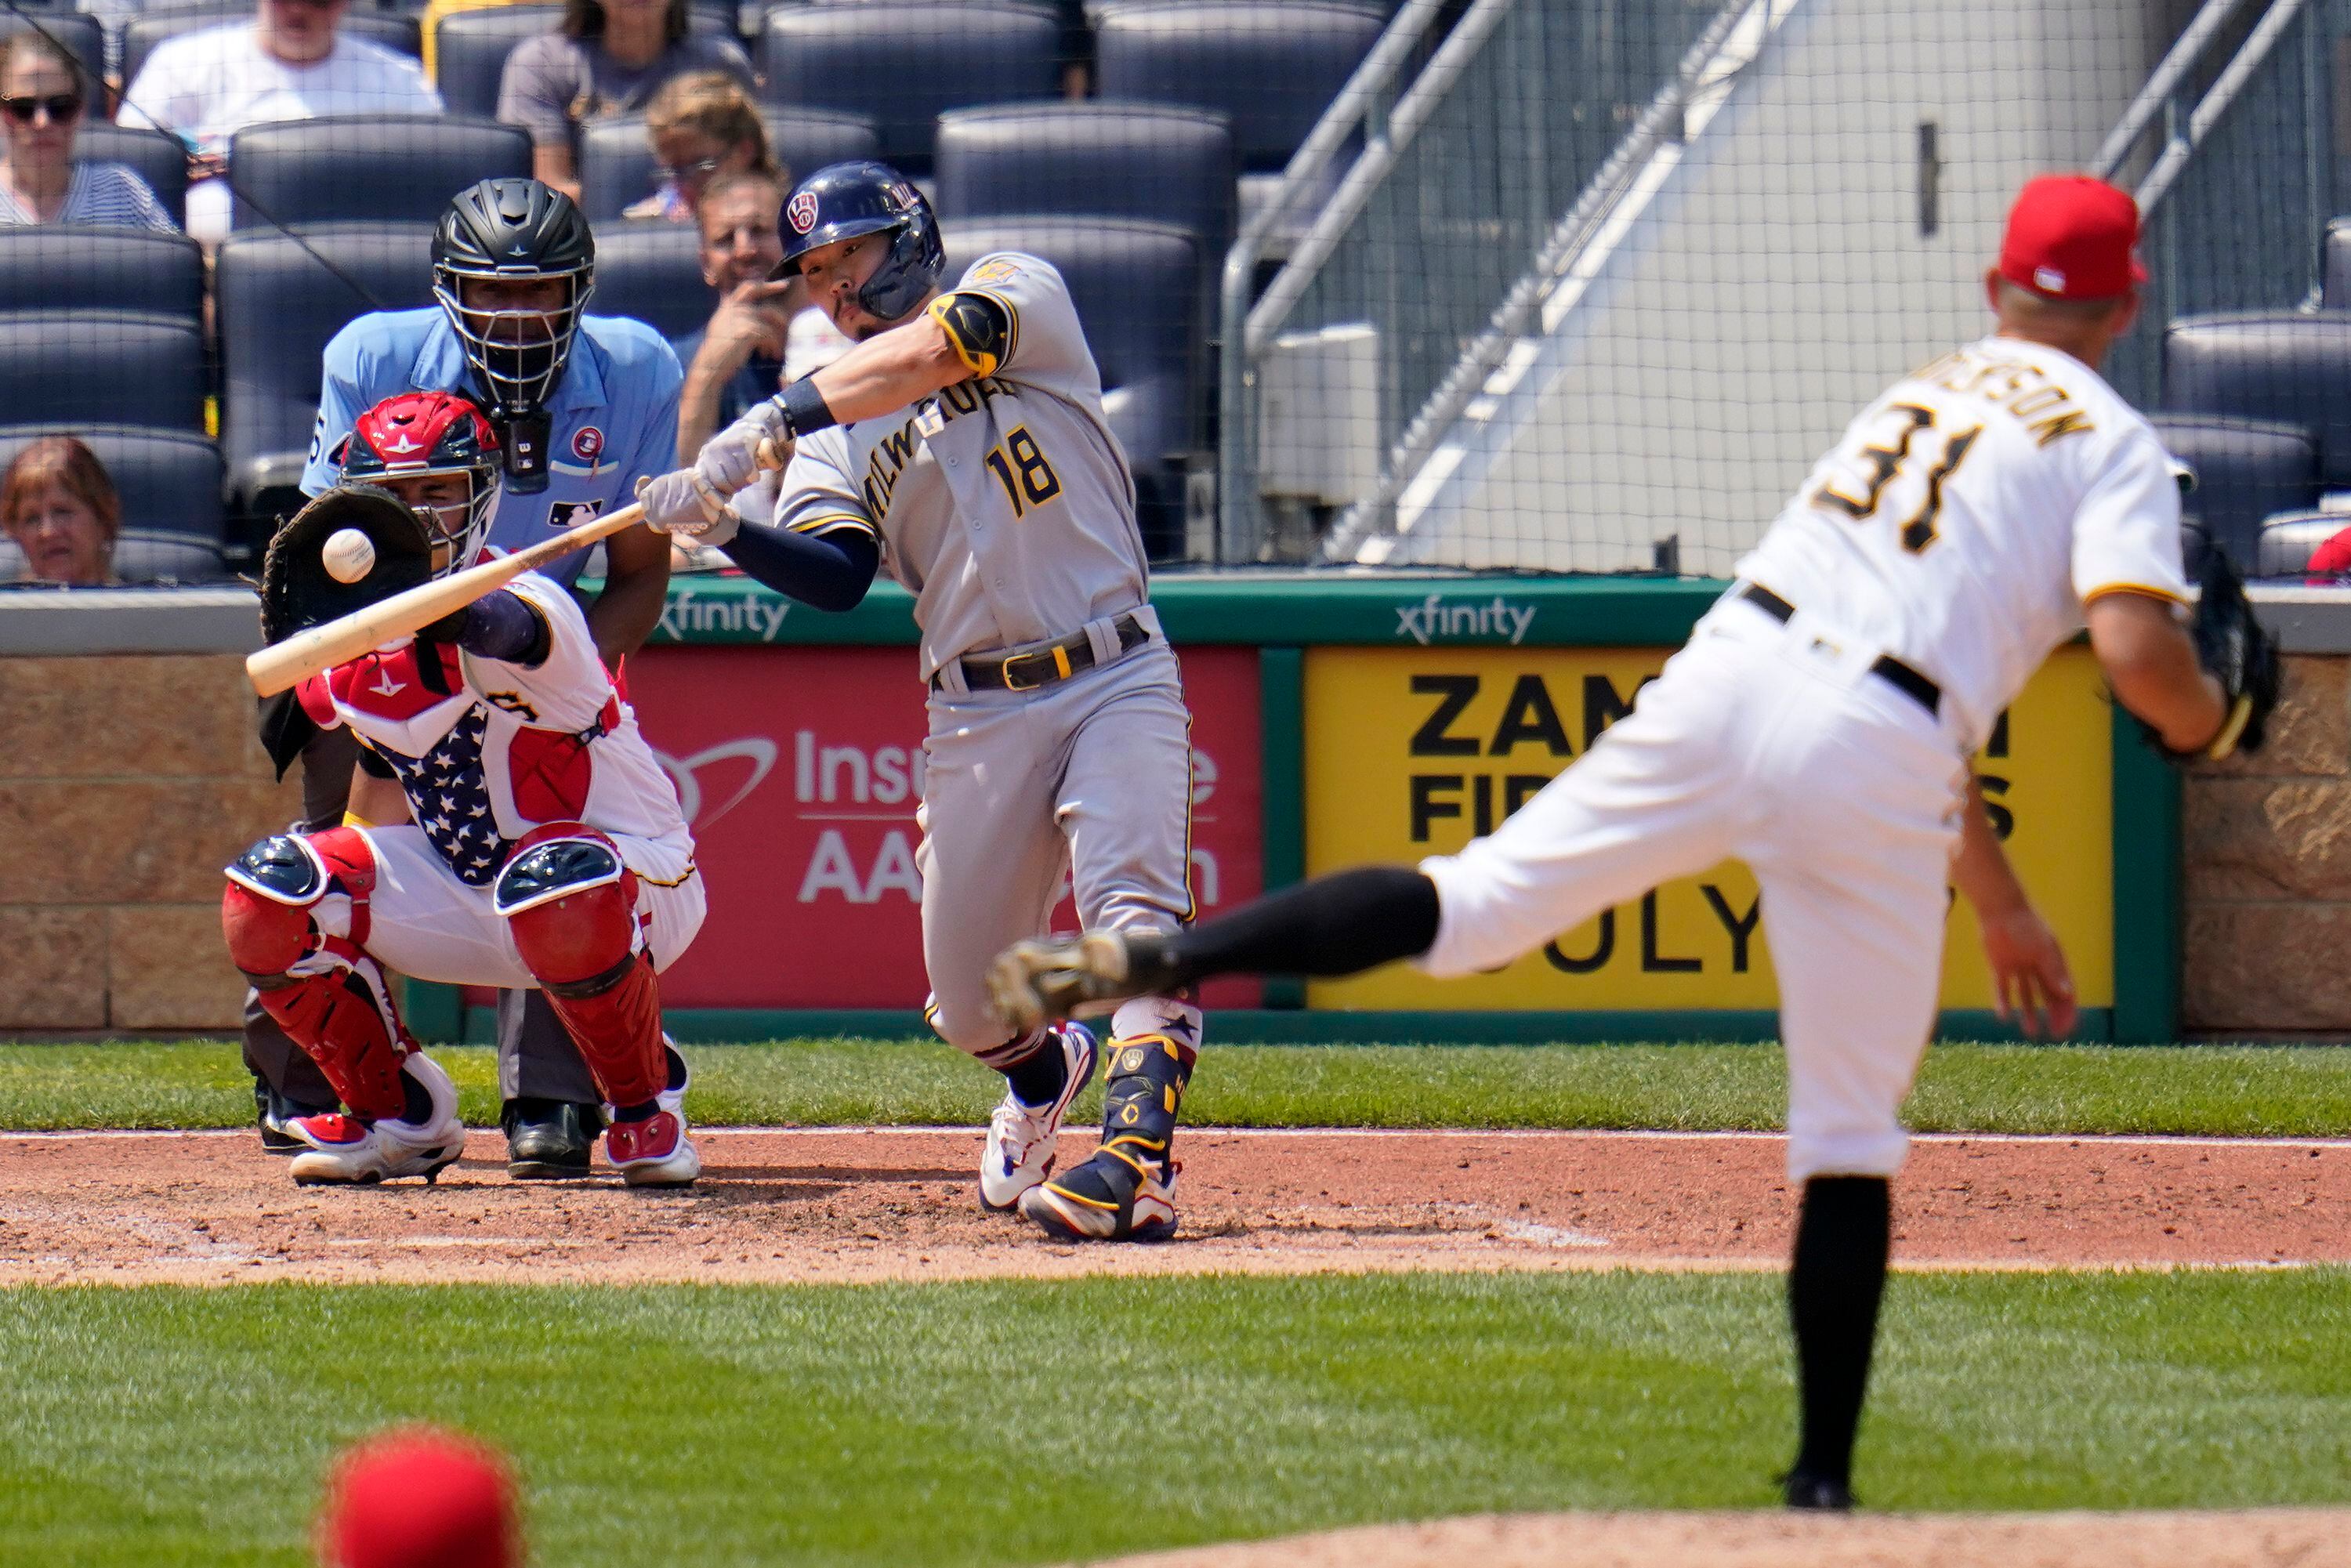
(282, 664)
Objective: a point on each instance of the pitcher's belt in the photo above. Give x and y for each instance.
(1887, 668)
(1034, 668)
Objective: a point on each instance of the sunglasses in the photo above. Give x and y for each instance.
(679, 173)
(61, 107)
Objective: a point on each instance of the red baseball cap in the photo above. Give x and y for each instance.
(2072, 237)
(421, 1497)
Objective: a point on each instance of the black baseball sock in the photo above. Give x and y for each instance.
(415, 1104)
(1336, 924)
(1040, 1080)
(1843, 1238)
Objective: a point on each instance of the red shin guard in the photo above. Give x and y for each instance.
(350, 1033)
(581, 947)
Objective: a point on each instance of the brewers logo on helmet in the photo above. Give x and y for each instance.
(849, 200)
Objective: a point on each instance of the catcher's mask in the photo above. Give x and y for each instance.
(405, 442)
(298, 591)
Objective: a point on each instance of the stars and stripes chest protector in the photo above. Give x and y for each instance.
(449, 792)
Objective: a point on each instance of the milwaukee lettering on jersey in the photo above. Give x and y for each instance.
(927, 418)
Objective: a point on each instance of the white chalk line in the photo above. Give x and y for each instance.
(2126, 1140)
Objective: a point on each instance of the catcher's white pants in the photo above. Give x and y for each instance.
(1771, 744)
(425, 923)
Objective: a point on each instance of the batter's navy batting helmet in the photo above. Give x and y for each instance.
(847, 200)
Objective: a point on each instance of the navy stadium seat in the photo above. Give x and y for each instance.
(279, 297)
(1137, 288)
(2272, 365)
(470, 48)
(2334, 265)
(1273, 66)
(905, 64)
(1097, 158)
(57, 267)
(103, 367)
(155, 156)
(616, 162)
(81, 36)
(2288, 539)
(652, 271)
(168, 480)
(354, 167)
(393, 30)
(2245, 470)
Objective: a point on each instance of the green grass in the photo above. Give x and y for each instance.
(1008, 1422)
(2250, 1090)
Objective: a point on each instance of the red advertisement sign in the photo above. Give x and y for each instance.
(800, 769)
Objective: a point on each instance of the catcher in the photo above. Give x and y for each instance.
(1984, 509)
(544, 849)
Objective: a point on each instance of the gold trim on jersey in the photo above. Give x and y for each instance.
(832, 520)
(692, 871)
(2144, 589)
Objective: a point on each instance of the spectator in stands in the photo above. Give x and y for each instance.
(606, 60)
(763, 334)
(290, 63)
(42, 101)
(59, 506)
(702, 128)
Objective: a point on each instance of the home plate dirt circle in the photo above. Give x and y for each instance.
(834, 1205)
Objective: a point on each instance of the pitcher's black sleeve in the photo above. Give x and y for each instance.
(1336, 924)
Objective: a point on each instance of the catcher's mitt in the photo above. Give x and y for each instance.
(2242, 656)
(297, 590)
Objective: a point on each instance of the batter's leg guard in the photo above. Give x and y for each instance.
(321, 988)
(1127, 1191)
(571, 906)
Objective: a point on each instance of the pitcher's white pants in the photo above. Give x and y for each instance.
(1771, 744)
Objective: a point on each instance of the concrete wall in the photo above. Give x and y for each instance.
(126, 783)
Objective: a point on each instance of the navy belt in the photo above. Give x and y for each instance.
(1886, 668)
(1043, 666)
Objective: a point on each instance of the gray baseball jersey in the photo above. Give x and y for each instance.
(1004, 504)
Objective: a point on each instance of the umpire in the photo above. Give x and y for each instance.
(584, 406)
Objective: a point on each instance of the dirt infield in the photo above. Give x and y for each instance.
(2261, 1538)
(840, 1206)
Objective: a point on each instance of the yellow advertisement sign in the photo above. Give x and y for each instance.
(1411, 752)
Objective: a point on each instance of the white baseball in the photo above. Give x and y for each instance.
(349, 555)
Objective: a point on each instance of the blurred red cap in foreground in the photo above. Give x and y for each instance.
(420, 1497)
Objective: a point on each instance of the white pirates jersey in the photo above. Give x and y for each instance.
(1970, 513)
(1004, 504)
(486, 750)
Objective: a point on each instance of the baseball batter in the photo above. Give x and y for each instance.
(544, 849)
(963, 442)
(1818, 725)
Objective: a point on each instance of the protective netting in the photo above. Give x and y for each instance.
(1565, 285)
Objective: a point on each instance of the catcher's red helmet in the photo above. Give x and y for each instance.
(419, 434)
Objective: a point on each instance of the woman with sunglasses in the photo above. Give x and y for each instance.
(42, 101)
(607, 57)
(702, 128)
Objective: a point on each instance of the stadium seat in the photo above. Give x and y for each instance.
(652, 271)
(170, 482)
(2272, 365)
(2245, 470)
(616, 163)
(54, 266)
(388, 167)
(393, 29)
(905, 64)
(2288, 540)
(1273, 66)
(154, 156)
(279, 297)
(1097, 158)
(470, 48)
(80, 35)
(2334, 265)
(103, 367)
(1137, 288)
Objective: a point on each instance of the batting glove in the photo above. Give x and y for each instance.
(730, 459)
(683, 504)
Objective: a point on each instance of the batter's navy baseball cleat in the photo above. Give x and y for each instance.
(1108, 1198)
(1021, 1137)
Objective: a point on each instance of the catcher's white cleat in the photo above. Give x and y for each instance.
(654, 1152)
(352, 1151)
(1037, 983)
(1021, 1137)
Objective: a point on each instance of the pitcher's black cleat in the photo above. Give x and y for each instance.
(1815, 1494)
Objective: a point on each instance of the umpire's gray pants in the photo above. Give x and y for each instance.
(1091, 776)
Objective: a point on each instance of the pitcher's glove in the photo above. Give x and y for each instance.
(297, 590)
(2243, 657)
